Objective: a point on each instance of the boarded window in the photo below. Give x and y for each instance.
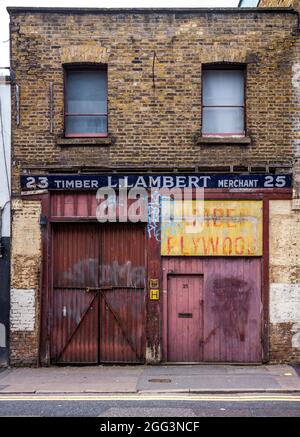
(223, 102)
(86, 103)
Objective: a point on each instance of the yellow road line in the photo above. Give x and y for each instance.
(216, 398)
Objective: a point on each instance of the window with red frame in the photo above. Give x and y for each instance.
(85, 102)
(223, 101)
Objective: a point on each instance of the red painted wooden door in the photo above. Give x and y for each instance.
(122, 298)
(232, 321)
(98, 299)
(74, 311)
(184, 318)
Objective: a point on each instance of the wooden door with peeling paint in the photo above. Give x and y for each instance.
(185, 330)
(232, 321)
(123, 294)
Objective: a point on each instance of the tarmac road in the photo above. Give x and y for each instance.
(252, 405)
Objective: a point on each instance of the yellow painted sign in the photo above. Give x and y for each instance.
(154, 294)
(213, 228)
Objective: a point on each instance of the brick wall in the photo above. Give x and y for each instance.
(276, 3)
(279, 4)
(25, 280)
(284, 282)
(153, 126)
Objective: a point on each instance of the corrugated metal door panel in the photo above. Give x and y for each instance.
(184, 318)
(122, 309)
(107, 323)
(80, 204)
(74, 333)
(232, 302)
(122, 326)
(75, 255)
(123, 255)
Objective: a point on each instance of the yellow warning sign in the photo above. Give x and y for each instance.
(154, 294)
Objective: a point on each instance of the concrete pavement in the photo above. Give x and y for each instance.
(151, 379)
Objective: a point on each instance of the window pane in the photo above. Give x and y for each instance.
(86, 125)
(249, 4)
(87, 92)
(223, 87)
(223, 121)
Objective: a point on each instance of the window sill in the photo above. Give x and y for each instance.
(223, 140)
(96, 141)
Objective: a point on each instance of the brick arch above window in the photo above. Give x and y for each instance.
(84, 53)
(222, 54)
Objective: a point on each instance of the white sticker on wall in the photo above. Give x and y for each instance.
(22, 310)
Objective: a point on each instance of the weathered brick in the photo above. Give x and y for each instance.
(25, 282)
(155, 126)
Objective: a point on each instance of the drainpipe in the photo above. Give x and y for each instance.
(2, 208)
(1, 211)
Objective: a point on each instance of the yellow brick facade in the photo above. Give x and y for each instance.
(154, 101)
(154, 87)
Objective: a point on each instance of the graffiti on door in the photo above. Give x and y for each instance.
(229, 301)
(122, 274)
(88, 271)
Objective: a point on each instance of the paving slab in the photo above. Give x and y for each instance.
(71, 380)
(201, 382)
(189, 369)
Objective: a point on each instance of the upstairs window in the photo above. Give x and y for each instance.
(85, 102)
(223, 101)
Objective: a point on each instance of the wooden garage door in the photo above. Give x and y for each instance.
(229, 328)
(98, 299)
